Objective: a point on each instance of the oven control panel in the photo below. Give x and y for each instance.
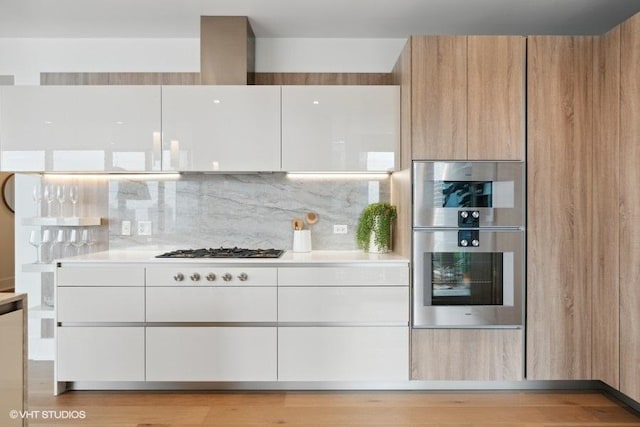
(468, 219)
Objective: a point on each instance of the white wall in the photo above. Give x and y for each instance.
(27, 58)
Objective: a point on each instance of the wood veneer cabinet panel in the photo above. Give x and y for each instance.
(439, 97)
(401, 180)
(559, 155)
(630, 209)
(323, 79)
(496, 96)
(605, 275)
(467, 354)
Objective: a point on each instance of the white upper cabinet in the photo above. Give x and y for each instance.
(80, 128)
(221, 128)
(340, 128)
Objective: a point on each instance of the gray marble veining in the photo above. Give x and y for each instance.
(253, 210)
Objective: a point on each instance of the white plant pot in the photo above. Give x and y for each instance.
(374, 248)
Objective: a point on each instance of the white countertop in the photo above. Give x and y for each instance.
(315, 257)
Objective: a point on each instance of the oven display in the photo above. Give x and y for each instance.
(466, 278)
(467, 194)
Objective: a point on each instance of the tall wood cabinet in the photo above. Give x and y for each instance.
(559, 156)
(605, 285)
(630, 209)
(467, 97)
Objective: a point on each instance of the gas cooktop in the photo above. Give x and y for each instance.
(223, 253)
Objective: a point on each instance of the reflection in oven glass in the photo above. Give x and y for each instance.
(467, 194)
(466, 278)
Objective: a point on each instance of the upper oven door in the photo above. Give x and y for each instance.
(442, 190)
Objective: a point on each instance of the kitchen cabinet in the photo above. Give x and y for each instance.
(559, 208)
(630, 209)
(343, 323)
(606, 267)
(471, 354)
(94, 353)
(80, 128)
(13, 357)
(468, 97)
(100, 334)
(216, 324)
(340, 128)
(343, 353)
(211, 353)
(221, 128)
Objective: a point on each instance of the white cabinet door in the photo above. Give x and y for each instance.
(100, 354)
(100, 304)
(95, 275)
(344, 304)
(344, 276)
(80, 128)
(212, 304)
(343, 354)
(211, 354)
(221, 128)
(340, 128)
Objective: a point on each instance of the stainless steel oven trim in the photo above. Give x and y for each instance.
(425, 173)
(427, 316)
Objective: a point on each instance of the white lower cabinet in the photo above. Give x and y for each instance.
(100, 353)
(343, 304)
(211, 354)
(343, 353)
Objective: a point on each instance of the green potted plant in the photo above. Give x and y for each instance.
(374, 227)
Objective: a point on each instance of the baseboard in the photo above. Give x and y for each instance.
(621, 397)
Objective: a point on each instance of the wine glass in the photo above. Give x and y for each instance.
(87, 239)
(34, 240)
(61, 196)
(37, 198)
(59, 242)
(75, 240)
(49, 196)
(74, 197)
(46, 239)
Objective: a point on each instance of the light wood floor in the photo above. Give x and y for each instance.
(313, 409)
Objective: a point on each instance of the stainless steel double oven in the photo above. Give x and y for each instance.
(468, 244)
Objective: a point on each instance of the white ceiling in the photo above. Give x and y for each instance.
(311, 18)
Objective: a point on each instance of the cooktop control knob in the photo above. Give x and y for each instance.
(475, 214)
(178, 277)
(211, 277)
(195, 277)
(475, 243)
(464, 243)
(464, 214)
(227, 277)
(243, 277)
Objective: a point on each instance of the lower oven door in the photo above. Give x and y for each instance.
(468, 278)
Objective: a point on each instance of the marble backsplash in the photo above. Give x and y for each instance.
(252, 210)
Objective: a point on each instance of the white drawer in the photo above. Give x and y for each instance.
(114, 275)
(164, 276)
(337, 276)
(100, 304)
(100, 353)
(212, 304)
(343, 304)
(343, 354)
(211, 354)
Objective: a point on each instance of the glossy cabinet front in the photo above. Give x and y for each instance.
(340, 128)
(80, 128)
(221, 128)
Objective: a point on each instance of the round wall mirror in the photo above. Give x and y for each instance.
(9, 192)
